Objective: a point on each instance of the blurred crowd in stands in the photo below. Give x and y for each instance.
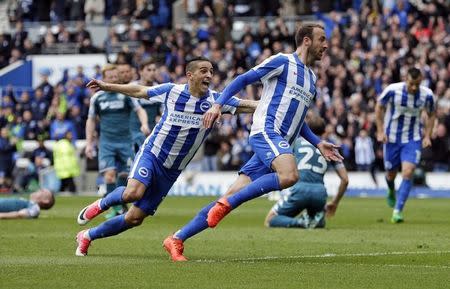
(371, 44)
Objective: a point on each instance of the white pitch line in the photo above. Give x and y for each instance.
(327, 255)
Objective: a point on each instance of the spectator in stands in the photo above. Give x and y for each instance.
(60, 126)
(31, 128)
(66, 162)
(440, 146)
(7, 149)
(45, 86)
(39, 106)
(94, 10)
(364, 154)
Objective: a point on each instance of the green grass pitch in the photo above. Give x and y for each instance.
(359, 249)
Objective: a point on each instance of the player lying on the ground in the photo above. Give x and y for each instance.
(288, 91)
(18, 208)
(401, 132)
(164, 154)
(308, 196)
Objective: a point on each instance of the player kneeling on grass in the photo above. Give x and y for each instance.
(164, 154)
(20, 208)
(308, 196)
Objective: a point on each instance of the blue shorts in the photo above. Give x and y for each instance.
(158, 180)
(117, 156)
(267, 146)
(396, 153)
(311, 197)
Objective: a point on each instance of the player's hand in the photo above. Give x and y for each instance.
(330, 209)
(426, 142)
(145, 130)
(212, 115)
(381, 137)
(330, 151)
(89, 151)
(96, 84)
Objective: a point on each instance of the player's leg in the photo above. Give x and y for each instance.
(111, 227)
(121, 195)
(284, 212)
(410, 157)
(199, 223)
(391, 164)
(174, 243)
(124, 155)
(134, 190)
(273, 152)
(317, 199)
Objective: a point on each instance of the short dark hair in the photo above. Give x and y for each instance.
(316, 124)
(305, 30)
(50, 200)
(145, 62)
(192, 64)
(414, 72)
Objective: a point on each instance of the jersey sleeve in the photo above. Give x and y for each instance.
(134, 103)
(429, 102)
(386, 95)
(33, 211)
(92, 112)
(231, 104)
(270, 67)
(158, 93)
(337, 165)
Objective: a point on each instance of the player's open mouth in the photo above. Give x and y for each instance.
(205, 83)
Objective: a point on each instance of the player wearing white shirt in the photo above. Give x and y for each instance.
(288, 91)
(400, 128)
(169, 148)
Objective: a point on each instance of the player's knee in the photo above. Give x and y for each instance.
(132, 194)
(288, 179)
(134, 220)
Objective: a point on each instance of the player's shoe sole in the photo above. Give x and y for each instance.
(175, 249)
(89, 212)
(218, 212)
(82, 244)
(390, 198)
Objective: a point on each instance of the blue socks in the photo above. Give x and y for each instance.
(109, 228)
(196, 225)
(112, 199)
(259, 187)
(402, 194)
(390, 184)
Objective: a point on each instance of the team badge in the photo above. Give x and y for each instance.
(204, 106)
(143, 172)
(283, 144)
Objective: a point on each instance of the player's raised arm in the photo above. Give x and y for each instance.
(133, 90)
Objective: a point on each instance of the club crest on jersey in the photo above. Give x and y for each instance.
(283, 144)
(143, 172)
(204, 106)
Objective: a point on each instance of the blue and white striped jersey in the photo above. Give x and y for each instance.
(402, 121)
(289, 88)
(180, 132)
